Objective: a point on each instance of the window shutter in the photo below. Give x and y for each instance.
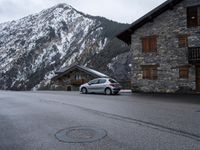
(184, 72)
(145, 45)
(146, 73)
(154, 73)
(149, 44)
(150, 72)
(183, 41)
(153, 43)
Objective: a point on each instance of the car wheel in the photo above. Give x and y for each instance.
(108, 91)
(84, 90)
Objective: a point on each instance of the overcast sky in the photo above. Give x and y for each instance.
(125, 11)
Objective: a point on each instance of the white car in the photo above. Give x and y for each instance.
(101, 85)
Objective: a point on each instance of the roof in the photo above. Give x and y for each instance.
(66, 70)
(126, 35)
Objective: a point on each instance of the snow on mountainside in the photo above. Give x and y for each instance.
(33, 47)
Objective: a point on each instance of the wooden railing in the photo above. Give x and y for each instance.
(77, 82)
(194, 55)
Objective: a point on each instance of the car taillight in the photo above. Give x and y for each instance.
(113, 85)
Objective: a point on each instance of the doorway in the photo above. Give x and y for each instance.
(69, 88)
(198, 78)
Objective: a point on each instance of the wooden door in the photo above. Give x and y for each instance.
(198, 78)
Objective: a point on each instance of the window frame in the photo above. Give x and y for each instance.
(104, 81)
(196, 12)
(77, 77)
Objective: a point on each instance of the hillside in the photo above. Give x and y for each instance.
(34, 47)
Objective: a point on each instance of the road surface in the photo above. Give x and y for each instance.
(33, 120)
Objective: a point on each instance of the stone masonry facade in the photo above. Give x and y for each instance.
(169, 56)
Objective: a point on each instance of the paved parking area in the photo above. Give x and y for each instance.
(31, 121)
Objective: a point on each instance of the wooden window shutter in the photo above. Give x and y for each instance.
(153, 43)
(145, 45)
(154, 73)
(150, 72)
(183, 41)
(146, 73)
(149, 44)
(192, 17)
(184, 72)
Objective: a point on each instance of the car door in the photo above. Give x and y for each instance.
(92, 85)
(102, 85)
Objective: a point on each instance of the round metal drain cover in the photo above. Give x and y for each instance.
(80, 134)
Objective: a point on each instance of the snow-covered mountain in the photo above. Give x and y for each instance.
(33, 47)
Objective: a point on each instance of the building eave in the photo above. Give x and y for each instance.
(60, 74)
(125, 36)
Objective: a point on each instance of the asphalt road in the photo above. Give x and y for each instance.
(30, 121)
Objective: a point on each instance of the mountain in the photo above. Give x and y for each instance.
(34, 47)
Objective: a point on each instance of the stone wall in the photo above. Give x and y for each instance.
(168, 26)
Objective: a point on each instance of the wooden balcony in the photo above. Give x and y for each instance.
(77, 82)
(194, 55)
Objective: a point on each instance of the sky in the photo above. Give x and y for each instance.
(124, 11)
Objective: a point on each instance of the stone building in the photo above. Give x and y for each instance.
(71, 78)
(165, 46)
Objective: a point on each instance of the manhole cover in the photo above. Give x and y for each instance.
(80, 134)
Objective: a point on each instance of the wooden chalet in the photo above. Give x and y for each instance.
(71, 78)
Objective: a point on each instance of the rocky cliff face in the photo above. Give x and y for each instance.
(33, 47)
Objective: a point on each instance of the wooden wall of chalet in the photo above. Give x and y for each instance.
(72, 80)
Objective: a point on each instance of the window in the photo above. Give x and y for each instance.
(101, 81)
(184, 72)
(183, 40)
(150, 72)
(77, 77)
(112, 81)
(93, 82)
(193, 16)
(149, 44)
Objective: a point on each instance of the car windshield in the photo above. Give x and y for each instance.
(113, 81)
